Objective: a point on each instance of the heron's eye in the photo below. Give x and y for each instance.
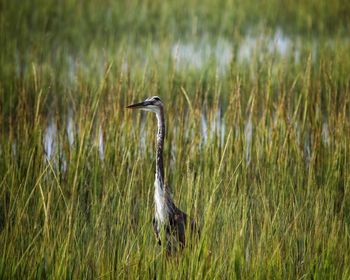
(156, 98)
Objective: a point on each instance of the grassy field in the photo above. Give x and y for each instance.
(257, 98)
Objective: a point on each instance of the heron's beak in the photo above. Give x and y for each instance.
(140, 105)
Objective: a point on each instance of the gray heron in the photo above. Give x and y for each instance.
(169, 219)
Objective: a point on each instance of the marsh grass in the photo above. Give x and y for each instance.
(258, 154)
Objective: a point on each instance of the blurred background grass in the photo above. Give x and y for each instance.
(257, 149)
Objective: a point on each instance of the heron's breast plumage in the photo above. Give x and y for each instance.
(161, 207)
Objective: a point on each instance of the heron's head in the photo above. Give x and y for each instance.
(151, 104)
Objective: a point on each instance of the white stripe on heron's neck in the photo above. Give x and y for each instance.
(160, 201)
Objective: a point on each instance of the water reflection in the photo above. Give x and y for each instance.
(70, 128)
(50, 141)
(248, 134)
(204, 128)
(211, 129)
(100, 143)
(325, 134)
(197, 54)
(262, 44)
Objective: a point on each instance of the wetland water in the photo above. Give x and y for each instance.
(210, 130)
(195, 55)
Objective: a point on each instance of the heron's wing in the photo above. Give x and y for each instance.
(177, 223)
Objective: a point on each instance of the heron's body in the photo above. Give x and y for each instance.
(168, 217)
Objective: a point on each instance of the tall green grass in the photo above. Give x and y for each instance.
(273, 205)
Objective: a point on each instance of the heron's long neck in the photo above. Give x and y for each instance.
(160, 145)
